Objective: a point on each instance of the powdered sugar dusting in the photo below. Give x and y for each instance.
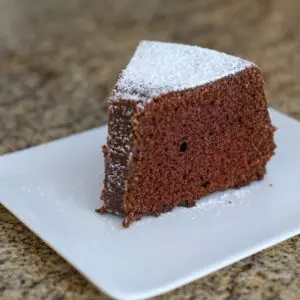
(117, 151)
(113, 178)
(158, 68)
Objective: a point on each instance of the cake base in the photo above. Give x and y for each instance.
(132, 217)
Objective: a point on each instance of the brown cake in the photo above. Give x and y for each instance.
(184, 122)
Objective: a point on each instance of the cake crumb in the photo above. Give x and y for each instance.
(270, 185)
(101, 210)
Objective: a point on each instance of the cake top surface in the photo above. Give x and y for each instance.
(157, 68)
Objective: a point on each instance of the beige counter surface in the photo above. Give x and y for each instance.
(58, 62)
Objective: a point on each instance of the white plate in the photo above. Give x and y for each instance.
(54, 189)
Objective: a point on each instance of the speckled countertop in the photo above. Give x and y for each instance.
(58, 61)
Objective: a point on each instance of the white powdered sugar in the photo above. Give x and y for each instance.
(157, 68)
(113, 179)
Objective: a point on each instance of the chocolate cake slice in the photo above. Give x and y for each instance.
(184, 122)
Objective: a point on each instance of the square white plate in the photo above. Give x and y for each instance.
(54, 189)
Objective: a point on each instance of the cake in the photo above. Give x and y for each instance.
(184, 122)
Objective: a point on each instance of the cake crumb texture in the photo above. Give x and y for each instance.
(192, 143)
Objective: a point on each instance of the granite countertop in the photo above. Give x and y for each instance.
(59, 60)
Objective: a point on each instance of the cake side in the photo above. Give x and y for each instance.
(117, 154)
(188, 144)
